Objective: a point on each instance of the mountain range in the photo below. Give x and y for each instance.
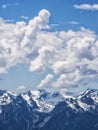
(42, 110)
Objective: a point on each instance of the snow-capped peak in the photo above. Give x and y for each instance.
(89, 92)
(45, 101)
(6, 97)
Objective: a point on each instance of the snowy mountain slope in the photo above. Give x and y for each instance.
(45, 101)
(41, 110)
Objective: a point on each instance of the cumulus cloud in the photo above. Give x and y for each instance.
(71, 55)
(87, 7)
(18, 44)
(46, 82)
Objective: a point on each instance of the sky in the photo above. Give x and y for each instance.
(48, 44)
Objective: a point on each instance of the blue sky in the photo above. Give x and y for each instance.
(68, 24)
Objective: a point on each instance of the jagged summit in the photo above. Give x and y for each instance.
(42, 110)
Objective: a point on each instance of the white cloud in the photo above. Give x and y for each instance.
(2, 21)
(43, 60)
(74, 79)
(4, 6)
(24, 17)
(74, 23)
(18, 43)
(52, 26)
(71, 55)
(87, 7)
(46, 82)
(21, 87)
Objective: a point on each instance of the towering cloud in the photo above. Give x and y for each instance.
(71, 55)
